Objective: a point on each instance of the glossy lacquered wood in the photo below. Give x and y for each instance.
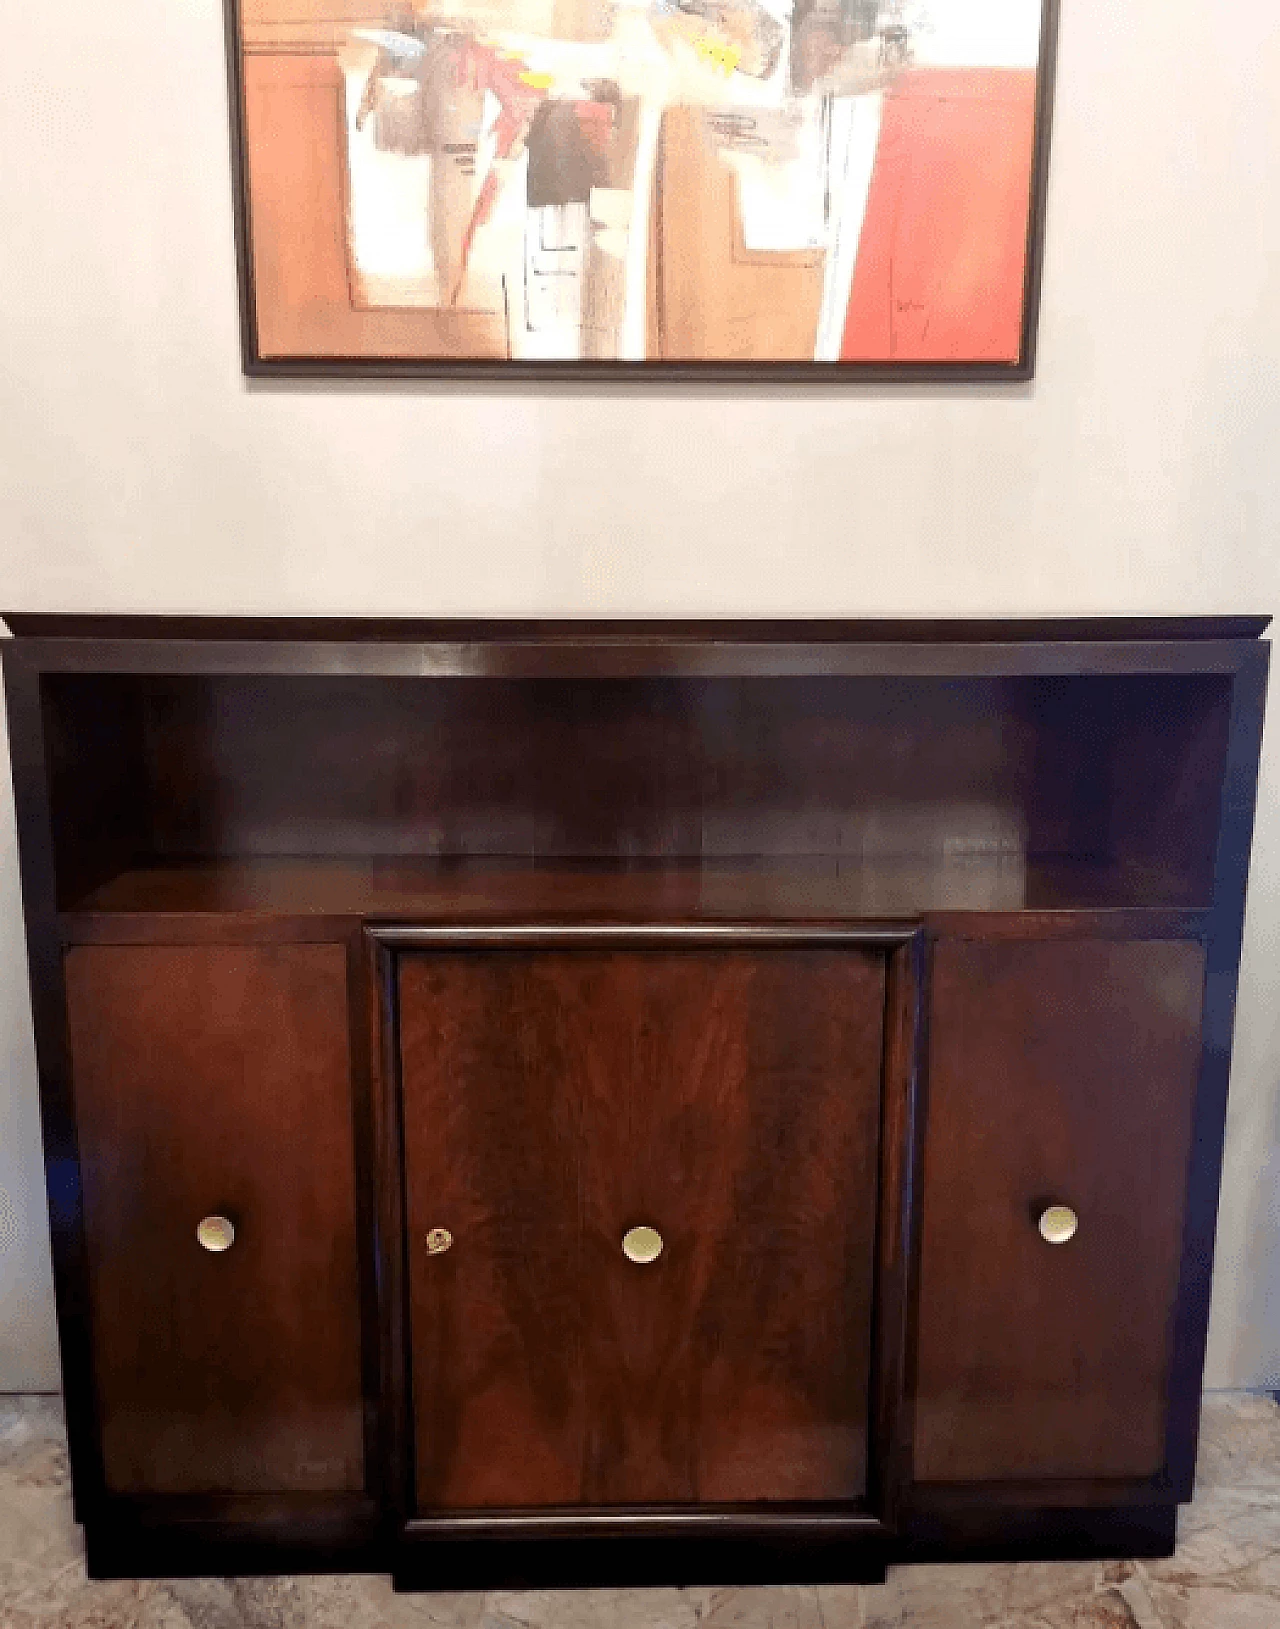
(504, 654)
(216, 1079)
(1058, 1073)
(1071, 798)
(553, 1099)
(543, 630)
(766, 888)
(891, 794)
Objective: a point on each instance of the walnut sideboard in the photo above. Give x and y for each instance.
(573, 1102)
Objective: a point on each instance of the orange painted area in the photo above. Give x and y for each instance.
(941, 259)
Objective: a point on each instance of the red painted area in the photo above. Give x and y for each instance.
(943, 248)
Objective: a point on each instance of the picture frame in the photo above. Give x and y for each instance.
(820, 191)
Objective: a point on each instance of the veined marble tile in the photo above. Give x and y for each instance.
(1239, 1442)
(611, 1609)
(1223, 1534)
(780, 1607)
(1215, 1607)
(29, 1428)
(961, 1596)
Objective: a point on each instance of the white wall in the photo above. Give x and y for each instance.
(138, 471)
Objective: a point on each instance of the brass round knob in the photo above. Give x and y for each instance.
(642, 1244)
(438, 1241)
(1058, 1224)
(216, 1233)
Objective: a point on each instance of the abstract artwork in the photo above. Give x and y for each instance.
(805, 188)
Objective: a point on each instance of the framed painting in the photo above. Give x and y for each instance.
(803, 189)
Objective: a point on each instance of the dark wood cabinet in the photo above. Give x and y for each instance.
(571, 1102)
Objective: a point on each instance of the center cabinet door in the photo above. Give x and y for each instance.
(554, 1100)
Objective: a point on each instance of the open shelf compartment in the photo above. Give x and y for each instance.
(735, 796)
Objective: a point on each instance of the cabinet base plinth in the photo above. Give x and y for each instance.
(610, 1563)
(496, 1561)
(1052, 1534)
(233, 1549)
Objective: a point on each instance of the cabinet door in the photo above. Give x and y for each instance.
(555, 1100)
(1058, 1072)
(214, 1080)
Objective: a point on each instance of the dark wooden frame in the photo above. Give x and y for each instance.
(132, 1537)
(767, 373)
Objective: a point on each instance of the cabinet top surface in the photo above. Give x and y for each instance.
(861, 630)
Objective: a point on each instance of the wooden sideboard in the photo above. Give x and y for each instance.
(566, 1102)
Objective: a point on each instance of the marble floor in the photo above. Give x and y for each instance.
(1225, 1575)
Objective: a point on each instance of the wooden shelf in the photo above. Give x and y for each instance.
(818, 797)
(795, 888)
(576, 630)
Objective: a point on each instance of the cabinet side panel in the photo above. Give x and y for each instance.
(215, 1079)
(1059, 1073)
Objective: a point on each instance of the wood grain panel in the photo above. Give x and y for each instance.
(492, 1130)
(731, 1100)
(1058, 1071)
(554, 1099)
(252, 894)
(215, 1079)
(964, 772)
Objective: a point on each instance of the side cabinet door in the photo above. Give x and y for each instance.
(213, 1080)
(554, 1101)
(1059, 1073)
